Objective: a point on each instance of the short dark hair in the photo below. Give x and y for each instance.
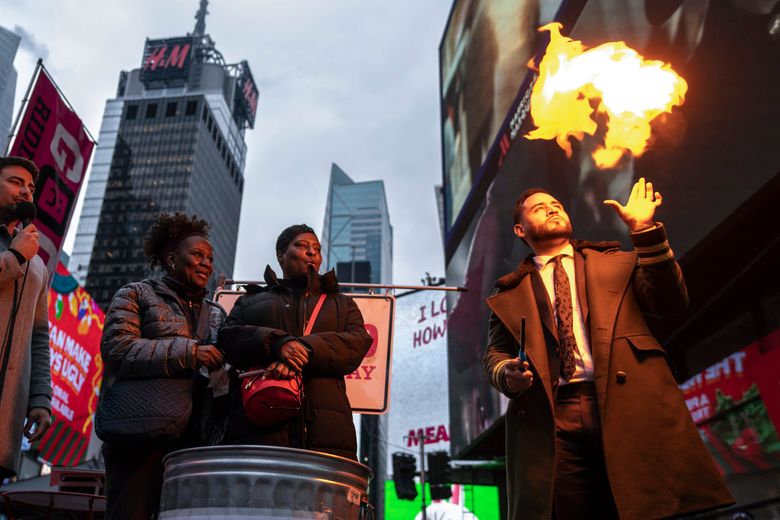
(517, 211)
(27, 164)
(289, 234)
(167, 231)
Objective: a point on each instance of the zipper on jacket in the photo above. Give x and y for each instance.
(305, 310)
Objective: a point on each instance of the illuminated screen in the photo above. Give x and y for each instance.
(482, 61)
(717, 150)
(166, 60)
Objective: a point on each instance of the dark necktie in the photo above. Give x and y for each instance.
(563, 307)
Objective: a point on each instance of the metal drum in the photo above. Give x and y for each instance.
(238, 482)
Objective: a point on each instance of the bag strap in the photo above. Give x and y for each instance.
(314, 314)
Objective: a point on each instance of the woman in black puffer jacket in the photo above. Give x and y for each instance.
(265, 329)
(150, 332)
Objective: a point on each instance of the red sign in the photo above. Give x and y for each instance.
(53, 137)
(75, 327)
(166, 59)
(736, 405)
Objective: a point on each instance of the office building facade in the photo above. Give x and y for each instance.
(9, 44)
(172, 140)
(357, 229)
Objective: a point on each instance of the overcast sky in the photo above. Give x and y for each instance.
(353, 82)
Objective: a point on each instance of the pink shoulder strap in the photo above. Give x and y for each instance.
(314, 314)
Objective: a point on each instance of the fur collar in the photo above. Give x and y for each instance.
(514, 278)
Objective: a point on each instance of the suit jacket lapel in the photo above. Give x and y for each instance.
(511, 306)
(543, 304)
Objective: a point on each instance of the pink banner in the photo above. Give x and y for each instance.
(54, 138)
(75, 328)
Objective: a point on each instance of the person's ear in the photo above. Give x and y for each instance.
(170, 261)
(519, 231)
(279, 256)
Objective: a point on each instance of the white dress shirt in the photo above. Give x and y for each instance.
(583, 370)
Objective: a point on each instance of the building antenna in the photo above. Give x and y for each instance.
(200, 16)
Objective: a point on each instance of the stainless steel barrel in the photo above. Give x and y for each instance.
(238, 482)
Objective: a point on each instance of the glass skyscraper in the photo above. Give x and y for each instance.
(172, 140)
(357, 229)
(9, 44)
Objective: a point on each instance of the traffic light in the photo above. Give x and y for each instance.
(404, 469)
(439, 475)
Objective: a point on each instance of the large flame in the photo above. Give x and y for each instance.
(612, 80)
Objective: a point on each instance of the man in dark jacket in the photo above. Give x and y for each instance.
(265, 329)
(596, 424)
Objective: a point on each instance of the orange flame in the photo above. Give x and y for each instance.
(612, 80)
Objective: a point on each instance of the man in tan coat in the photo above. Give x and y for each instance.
(596, 424)
(25, 377)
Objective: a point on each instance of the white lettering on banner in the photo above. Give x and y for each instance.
(60, 393)
(731, 366)
(71, 347)
(64, 144)
(699, 406)
(62, 409)
(431, 434)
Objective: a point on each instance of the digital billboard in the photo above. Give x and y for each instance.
(167, 59)
(482, 60)
(736, 406)
(706, 158)
(246, 96)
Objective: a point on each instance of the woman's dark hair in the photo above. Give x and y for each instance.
(167, 232)
(289, 234)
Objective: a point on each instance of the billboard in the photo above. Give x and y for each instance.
(75, 328)
(53, 137)
(246, 96)
(736, 406)
(710, 156)
(167, 59)
(482, 60)
(419, 404)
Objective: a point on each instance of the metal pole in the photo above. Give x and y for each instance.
(25, 100)
(365, 286)
(422, 474)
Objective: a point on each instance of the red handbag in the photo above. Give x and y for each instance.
(267, 400)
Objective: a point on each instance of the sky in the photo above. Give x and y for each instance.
(353, 82)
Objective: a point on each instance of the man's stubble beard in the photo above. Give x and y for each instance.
(547, 232)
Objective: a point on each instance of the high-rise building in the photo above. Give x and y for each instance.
(357, 229)
(9, 44)
(171, 140)
(357, 241)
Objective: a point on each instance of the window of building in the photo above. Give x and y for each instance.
(170, 109)
(132, 111)
(192, 107)
(151, 111)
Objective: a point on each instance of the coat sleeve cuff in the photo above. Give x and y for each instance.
(651, 245)
(277, 344)
(39, 401)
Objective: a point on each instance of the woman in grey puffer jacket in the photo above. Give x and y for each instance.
(150, 333)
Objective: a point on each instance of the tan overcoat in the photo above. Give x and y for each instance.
(26, 382)
(656, 463)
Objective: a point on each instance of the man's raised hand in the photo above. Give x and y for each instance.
(640, 208)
